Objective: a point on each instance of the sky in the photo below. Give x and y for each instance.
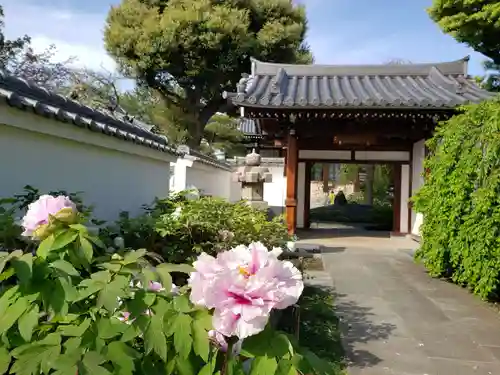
(340, 31)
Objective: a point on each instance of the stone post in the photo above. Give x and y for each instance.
(252, 177)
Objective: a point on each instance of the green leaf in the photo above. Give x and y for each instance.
(8, 273)
(280, 345)
(259, 344)
(201, 341)
(208, 369)
(96, 241)
(6, 257)
(184, 366)
(73, 343)
(182, 304)
(286, 367)
(75, 330)
(55, 294)
(154, 338)
(183, 268)
(68, 362)
(182, 335)
(13, 313)
(64, 267)
(4, 360)
(113, 267)
(203, 319)
(131, 332)
(63, 239)
(263, 366)
(70, 292)
(320, 366)
(45, 247)
(211, 364)
(28, 322)
(79, 228)
(108, 296)
(8, 297)
(91, 362)
(165, 277)
(23, 267)
(35, 358)
(107, 328)
(86, 249)
(122, 357)
(133, 256)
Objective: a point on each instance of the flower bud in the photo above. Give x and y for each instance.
(119, 242)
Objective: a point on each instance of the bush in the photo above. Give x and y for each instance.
(179, 229)
(72, 308)
(460, 200)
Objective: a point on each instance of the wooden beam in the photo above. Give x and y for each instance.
(324, 143)
(291, 167)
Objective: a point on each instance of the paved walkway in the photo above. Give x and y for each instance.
(397, 320)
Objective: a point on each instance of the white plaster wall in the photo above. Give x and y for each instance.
(325, 154)
(417, 181)
(301, 197)
(405, 195)
(382, 155)
(275, 191)
(113, 175)
(210, 180)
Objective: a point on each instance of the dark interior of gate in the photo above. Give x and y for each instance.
(374, 115)
(357, 196)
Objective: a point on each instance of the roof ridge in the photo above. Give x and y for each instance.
(454, 67)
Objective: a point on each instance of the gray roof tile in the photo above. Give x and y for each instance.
(248, 127)
(204, 159)
(433, 86)
(26, 95)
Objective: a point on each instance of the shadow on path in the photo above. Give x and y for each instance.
(358, 327)
(322, 233)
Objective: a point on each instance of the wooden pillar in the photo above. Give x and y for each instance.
(307, 195)
(292, 163)
(396, 205)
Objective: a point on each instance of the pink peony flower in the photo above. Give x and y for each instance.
(125, 317)
(40, 211)
(155, 286)
(243, 285)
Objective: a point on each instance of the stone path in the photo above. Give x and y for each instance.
(397, 320)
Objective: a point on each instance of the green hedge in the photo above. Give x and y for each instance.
(460, 200)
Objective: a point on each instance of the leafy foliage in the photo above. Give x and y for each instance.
(222, 133)
(460, 200)
(62, 310)
(71, 307)
(491, 80)
(474, 22)
(179, 229)
(190, 51)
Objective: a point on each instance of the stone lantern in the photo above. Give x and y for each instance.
(252, 177)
